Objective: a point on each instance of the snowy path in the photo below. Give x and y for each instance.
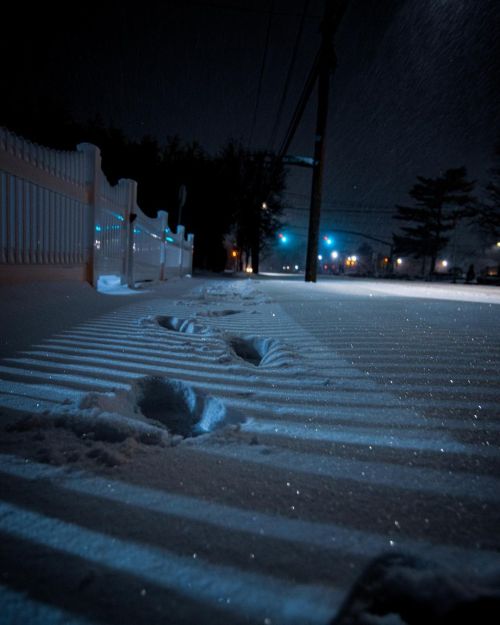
(370, 424)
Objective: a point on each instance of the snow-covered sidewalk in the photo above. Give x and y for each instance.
(211, 451)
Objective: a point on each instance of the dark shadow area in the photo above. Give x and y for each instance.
(351, 501)
(413, 591)
(100, 593)
(470, 465)
(181, 535)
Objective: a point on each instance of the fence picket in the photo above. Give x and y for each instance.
(57, 208)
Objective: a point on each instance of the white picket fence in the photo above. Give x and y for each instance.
(60, 217)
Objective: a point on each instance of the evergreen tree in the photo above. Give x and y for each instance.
(439, 205)
(488, 214)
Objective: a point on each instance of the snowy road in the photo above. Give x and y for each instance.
(350, 419)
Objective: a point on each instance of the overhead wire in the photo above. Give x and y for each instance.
(351, 204)
(301, 104)
(343, 208)
(243, 9)
(288, 78)
(297, 114)
(261, 74)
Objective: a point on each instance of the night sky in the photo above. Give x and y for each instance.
(415, 91)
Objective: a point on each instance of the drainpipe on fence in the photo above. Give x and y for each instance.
(182, 202)
(180, 236)
(127, 246)
(93, 172)
(163, 217)
(130, 250)
(190, 239)
(132, 216)
(124, 231)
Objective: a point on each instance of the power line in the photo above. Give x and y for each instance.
(304, 195)
(297, 115)
(261, 76)
(291, 67)
(359, 204)
(246, 9)
(346, 208)
(337, 209)
(350, 233)
(301, 105)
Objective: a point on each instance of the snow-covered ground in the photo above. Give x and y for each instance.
(238, 451)
(402, 288)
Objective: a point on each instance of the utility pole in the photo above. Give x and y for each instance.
(323, 66)
(255, 251)
(326, 66)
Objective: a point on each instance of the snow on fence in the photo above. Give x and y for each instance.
(60, 217)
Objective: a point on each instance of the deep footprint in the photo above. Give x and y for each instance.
(247, 350)
(217, 313)
(182, 409)
(188, 326)
(261, 352)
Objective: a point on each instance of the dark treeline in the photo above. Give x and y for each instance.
(234, 195)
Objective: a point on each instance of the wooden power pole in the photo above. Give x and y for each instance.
(326, 66)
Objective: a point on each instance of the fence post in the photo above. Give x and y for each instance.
(92, 177)
(132, 215)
